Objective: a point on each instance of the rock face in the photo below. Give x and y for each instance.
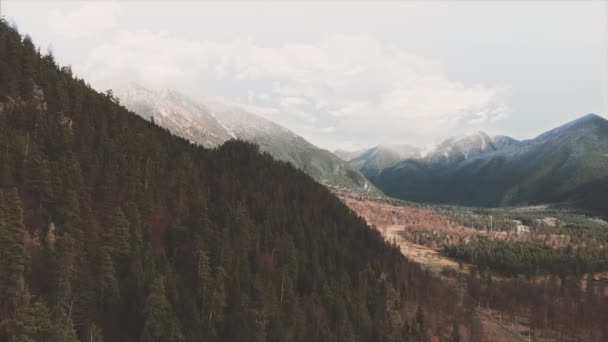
(38, 101)
(213, 122)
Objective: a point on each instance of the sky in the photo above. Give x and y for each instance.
(347, 75)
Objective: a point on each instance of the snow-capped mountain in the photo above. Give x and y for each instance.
(502, 141)
(177, 113)
(567, 163)
(380, 157)
(347, 155)
(212, 122)
(456, 149)
(452, 150)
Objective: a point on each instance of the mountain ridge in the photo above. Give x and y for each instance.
(380, 157)
(213, 122)
(542, 169)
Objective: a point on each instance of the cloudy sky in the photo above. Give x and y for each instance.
(347, 75)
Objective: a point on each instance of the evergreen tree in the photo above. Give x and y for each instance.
(218, 296)
(455, 333)
(31, 320)
(117, 234)
(108, 291)
(13, 257)
(159, 324)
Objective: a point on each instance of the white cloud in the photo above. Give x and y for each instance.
(85, 20)
(352, 109)
(355, 84)
(292, 101)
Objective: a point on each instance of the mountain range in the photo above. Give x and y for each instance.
(473, 169)
(566, 164)
(212, 122)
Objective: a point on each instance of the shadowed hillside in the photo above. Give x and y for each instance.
(112, 229)
(561, 165)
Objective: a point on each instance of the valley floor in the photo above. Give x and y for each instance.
(429, 258)
(422, 232)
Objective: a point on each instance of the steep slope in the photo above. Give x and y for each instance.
(543, 169)
(113, 229)
(214, 122)
(177, 113)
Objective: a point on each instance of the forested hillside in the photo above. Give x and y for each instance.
(210, 122)
(112, 229)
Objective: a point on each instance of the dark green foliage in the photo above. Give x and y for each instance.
(13, 257)
(573, 245)
(122, 232)
(159, 324)
(31, 320)
(517, 257)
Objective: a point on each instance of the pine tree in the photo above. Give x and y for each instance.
(204, 280)
(63, 330)
(455, 333)
(218, 296)
(160, 324)
(13, 257)
(420, 318)
(27, 60)
(117, 234)
(67, 252)
(109, 292)
(31, 320)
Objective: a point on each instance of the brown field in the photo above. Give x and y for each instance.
(400, 223)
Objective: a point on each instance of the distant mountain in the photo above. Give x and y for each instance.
(376, 159)
(213, 122)
(462, 148)
(452, 150)
(555, 166)
(347, 155)
(502, 141)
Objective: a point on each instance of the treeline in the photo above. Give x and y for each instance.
(479, 220)
(112, 229)
(580, 228)
(519, 257)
